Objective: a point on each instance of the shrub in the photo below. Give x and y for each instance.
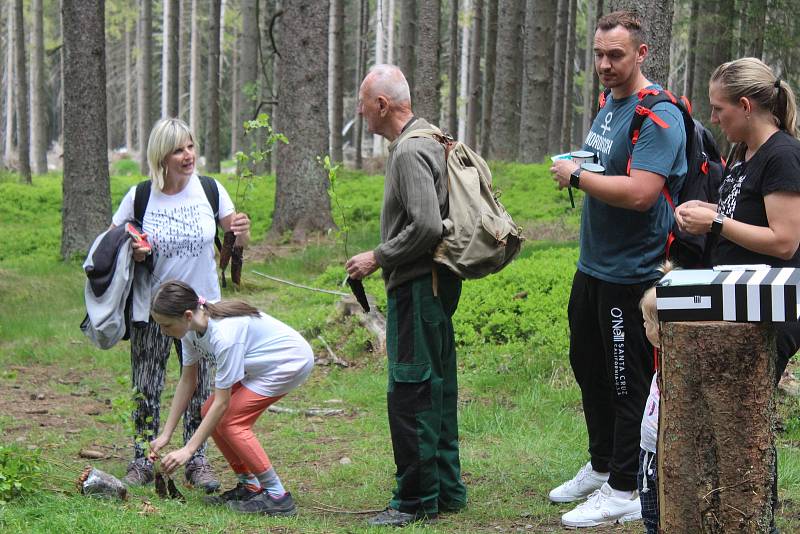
(19, 472)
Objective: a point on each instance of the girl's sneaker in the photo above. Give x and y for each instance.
(241, 492)
(264, 503)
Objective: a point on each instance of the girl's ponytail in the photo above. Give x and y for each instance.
(174, 298)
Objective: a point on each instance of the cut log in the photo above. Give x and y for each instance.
(716, 433)
(373, 321)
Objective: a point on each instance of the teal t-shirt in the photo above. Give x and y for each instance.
(625, 246)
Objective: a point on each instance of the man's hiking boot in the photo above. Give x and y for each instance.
(242, 492)
(395, 518)
(140, 472)
(586, 481)
(266, 504)
(200, 475)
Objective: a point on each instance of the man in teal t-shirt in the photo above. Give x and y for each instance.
(624, 230)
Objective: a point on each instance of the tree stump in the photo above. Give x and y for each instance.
(716, 431)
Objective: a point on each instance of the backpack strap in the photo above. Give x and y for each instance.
(140, 200)
(602, 99)
(212, 195)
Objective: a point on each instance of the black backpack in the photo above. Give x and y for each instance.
(142, 197)
(703, 173)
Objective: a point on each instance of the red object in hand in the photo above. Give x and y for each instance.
(139, 237)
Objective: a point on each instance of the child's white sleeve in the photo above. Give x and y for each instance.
(230, 366)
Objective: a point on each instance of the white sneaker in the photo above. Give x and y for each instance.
(602, 508)
(581, 486)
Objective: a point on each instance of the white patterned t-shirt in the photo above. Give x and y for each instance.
(181, 229)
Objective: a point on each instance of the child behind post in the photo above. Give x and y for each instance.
(648, 458)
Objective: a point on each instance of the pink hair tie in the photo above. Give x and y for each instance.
(201, 301)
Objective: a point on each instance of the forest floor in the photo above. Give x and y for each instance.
(521, 424)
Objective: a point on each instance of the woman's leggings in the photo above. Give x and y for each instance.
(150, 350)
(234, 433)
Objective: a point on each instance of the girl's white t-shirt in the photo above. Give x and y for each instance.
(181, 229)
(268, 357)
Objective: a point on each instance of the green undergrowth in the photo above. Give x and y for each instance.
(520, 417)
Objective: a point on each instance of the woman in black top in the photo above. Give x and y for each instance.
(758, 215)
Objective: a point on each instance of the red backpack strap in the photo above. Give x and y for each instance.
(686, 104)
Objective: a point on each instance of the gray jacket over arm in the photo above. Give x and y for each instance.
(414, 204)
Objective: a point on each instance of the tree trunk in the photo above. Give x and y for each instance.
(302, 203)
(408, 36)
(234, 92)
(380, 42)
(390, 33)
(86, 207)
(38, 101)
(490, 61)
(569, 77)
(427, 83)
(506, 110)
(717, 418)
(129, 89)
(211, 149)
(248, 70)
(589, 74)
(463, 78)
(145, 62)
(169, 60)
(195, 77)
(361, 68)
(536, 81)
(184, 58)
(656, 18)
(336, 78)
(705, 63)
(23, 119)
(474, 101)
(452, 71)
(8, 149)
(694, 23)
(557, 87)
(757, 18)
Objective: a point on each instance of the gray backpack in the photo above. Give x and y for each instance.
(479, 236)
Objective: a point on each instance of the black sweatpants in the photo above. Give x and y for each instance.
(613, 364)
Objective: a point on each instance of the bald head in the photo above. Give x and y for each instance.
(388, 81)
(384, 101)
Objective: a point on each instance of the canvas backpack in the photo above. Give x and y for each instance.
(703, 172)
(479, 237)
(142, 197)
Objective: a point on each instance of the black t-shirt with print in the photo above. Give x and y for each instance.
(774, 167)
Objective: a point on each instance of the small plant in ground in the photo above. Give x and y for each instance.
(19, 472)
(122, 408)
(333, 173)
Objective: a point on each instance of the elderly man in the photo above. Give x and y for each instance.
(422, 297)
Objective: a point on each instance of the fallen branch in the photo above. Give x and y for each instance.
(300, 286)
(334, 358)
(309, 412)
(336, 510)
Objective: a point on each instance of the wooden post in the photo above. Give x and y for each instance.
(716, 432)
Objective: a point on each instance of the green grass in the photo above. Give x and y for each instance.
(521, 424)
